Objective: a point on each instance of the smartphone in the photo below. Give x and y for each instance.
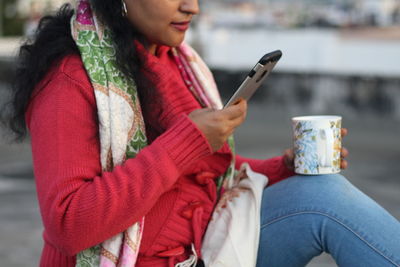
(256, 76)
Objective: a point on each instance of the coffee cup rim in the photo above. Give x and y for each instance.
(316, 118)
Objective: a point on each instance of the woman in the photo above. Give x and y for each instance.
(129, 162)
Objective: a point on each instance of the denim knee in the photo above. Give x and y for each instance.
(331, 193)
(331, 200)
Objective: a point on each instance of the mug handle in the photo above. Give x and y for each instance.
(327, 159)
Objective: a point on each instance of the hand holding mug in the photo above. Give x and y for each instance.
(317, 145)
(288, 155)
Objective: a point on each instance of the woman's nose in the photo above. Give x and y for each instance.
(190, 6)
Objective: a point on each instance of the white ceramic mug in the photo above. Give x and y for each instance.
(317, 144)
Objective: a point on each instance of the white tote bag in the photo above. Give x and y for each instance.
(233, 233)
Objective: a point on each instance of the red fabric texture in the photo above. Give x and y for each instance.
(170, 182)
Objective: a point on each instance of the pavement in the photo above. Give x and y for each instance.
(373, 142)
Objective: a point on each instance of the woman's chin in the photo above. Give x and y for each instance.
(176, 41)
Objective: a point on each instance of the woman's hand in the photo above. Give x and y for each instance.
(289, 155)
(218, 125)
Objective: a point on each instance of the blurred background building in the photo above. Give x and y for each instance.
(244, 13)
(306, 13)
(339, 57)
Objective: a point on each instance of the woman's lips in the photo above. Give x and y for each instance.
(181, 26)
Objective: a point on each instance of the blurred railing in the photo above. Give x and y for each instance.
(312, 93)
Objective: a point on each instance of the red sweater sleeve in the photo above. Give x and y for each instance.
(80, 205)
(273, 168)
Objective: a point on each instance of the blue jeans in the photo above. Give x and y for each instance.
(303, 216)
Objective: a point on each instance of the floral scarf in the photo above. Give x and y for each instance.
(121, 125)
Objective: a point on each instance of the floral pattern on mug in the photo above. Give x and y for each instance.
(305, 148)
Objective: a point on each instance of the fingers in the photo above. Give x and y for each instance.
(344, 131)
(237, 122)
(236, 110)
(289, 159)
(344, 152)
(218, 125)
(289, 153)
(235, 114)
(343, 164)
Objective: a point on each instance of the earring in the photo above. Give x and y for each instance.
(124, 9)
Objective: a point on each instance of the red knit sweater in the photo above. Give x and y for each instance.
(171, 181)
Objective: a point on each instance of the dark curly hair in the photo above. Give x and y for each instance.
(53, 41)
